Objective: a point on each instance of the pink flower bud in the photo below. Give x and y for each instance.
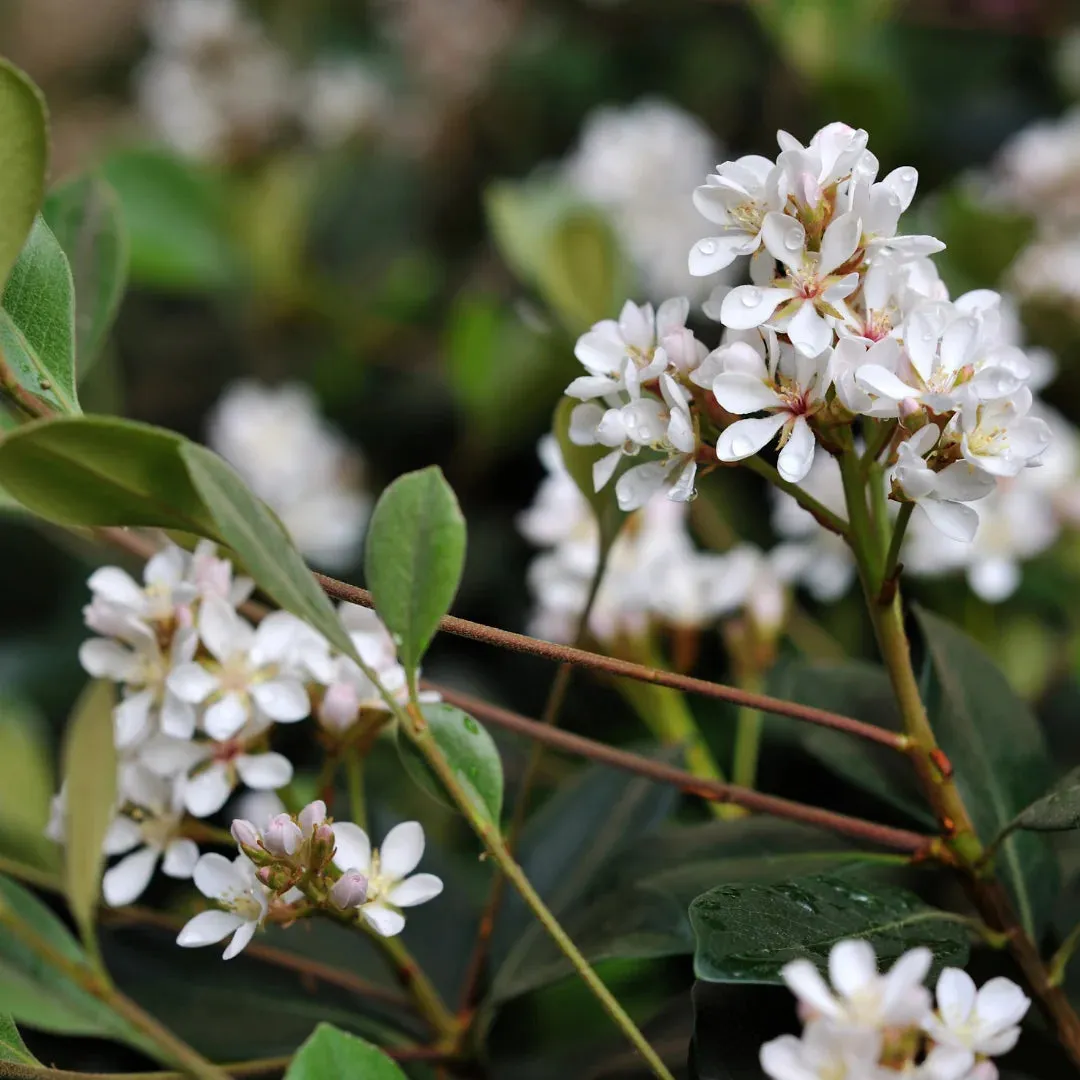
(322, 846)
(282, 836)
(908, 407)
(313, 814)
(349, 891)
(339, 708)
(244, 833)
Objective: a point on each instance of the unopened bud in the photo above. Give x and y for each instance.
(322, 846)
(244, 833)
(282, 836)
(312, 815)
(277, 879)
(349, 891)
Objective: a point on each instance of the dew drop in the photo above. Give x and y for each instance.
(793, 240)
(907, 175)
(707, 247)
(751, 296)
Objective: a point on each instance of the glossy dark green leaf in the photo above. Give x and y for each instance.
(998, 755)
(97, 470)
(84, 215)
(90, 785)
(469, 748)
(23, 160)
(37, 321)
(248, 526)
(329, 1052)
(175, 215)
(747, 932)
(40, 996)
(579, 461)
(12, 1047)
(1056, 811)
(852, 688)
(414, 556)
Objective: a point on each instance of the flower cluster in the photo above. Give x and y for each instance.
(300, 864)
(201, 691)
(214, 85)
(845, 319)
(641, 163)
(654, 573)
(304, 469)
(868, 1025)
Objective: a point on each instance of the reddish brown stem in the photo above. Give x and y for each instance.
(713, 790)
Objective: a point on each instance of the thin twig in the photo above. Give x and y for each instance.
(884, 835)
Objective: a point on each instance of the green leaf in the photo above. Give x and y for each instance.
(24, 155)
(414, 556)
(248, 526)
(12, 1047)
(27, 783)
(861, 690)
(579, 461)
(747, 932)
(330, 1052)
(37, 323)
(1056, 811)
(84, 215)
(175, 215)
(471, 752)
(998, 755)
(90, 784)
(96, 470)
(582, 278)
(39, 995)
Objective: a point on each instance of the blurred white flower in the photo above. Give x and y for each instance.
(823, 1053)
(278, 441)
(243, 898)
(642, 163)
(341, 98)
(390, 882)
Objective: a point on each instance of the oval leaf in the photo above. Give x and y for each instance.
(471, 752)
(998, 755)
(40, 996)
(581, 275)
(413, 559)
(84, 215)
(90, 786)
(12, 1047)
(24, 153)
(101, 471)
(1057, 811)
(747, 932)
(37, 322)
(332, 1053)
(248, 526)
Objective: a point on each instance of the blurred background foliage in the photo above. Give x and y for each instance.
(424, 266)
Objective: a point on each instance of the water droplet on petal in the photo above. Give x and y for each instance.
(750, 296)
(793, 240)
(907, 175)
(707, 247)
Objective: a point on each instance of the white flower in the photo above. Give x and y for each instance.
(119, 601)
(970, 1024)
(250, 674)
(940, 495)
(736, 197)
(999, 437)
(340, 99)
(834, 154)
(387, 870)
(824, 1053)
(641, 163)
(153, 835)
(860, 997)
(790, 387)
(241, 894)
(291, 457)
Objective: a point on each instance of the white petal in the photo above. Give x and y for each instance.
(385, 920)
(222, 631)
(208, 927)
(809, 332)
(903, 987)
(739, 393)
(784, 239)
(994, 579)
(122, 835)
(105, 659)
(583, 423)
(955, 520)
(714, 253)
(115, 585)
(839, 242)
(192, 683)
(748, 306)
(205, 792)
(264, 772)
(798, 454)
(638, 485)
(586, 387)
(852, 966)
(1000, 1003)
(217, 877)
(313, 814)
(746, 437)
(903, 181)
(240, 939)
(402, 849)
(352, 847)
(948, 1063)
(181, 855)
(167, 567)
(414, 890)
(671, 315)
(177, 717)
(879, 380)
(805, 982)
(131, 718)
(955, 996)
(226, 717)
(283, 700)
(604, 469)
(127, 880)
(781, 1059)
